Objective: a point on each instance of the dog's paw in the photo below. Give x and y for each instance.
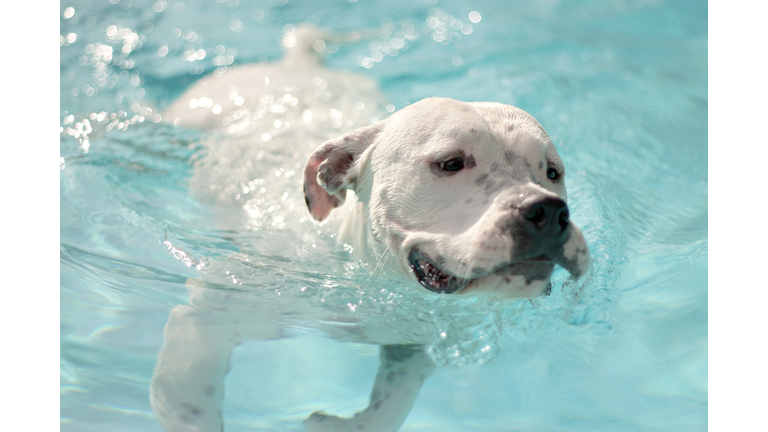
(319, 421)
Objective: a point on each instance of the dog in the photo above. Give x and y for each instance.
(459, 198)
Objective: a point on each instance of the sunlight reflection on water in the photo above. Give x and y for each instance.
(621, 88)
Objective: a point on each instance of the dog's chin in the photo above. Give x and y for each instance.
(525, 278)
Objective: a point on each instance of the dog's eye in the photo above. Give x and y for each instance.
(454, 164)
(552, 174)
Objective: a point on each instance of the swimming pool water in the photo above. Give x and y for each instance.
(621, 87)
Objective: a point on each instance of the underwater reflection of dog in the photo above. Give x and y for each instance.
(463, 198)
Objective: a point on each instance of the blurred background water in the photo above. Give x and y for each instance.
(621, 87)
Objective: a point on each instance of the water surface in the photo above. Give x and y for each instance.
(620, 86)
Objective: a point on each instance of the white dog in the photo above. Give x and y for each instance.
(462, 198)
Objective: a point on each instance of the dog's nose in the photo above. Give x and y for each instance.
(548, 214)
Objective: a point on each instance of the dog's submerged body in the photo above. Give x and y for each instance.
(463, 198)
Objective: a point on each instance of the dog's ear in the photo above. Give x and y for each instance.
(331, 170)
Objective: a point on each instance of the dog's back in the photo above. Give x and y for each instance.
(297, 90)
(267, 119)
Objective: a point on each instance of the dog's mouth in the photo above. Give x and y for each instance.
(433, 278)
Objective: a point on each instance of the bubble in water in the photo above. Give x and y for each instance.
(235, 25)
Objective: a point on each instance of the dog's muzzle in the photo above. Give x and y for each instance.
(539, 227)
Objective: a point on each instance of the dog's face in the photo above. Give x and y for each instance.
(468, 196)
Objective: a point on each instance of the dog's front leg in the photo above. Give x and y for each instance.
(402, 372)
(187, 388)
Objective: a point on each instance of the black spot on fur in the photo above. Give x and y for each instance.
(481, 179)
(469, 162)
(375, 394)
(191, 409)
(541, 164)
(531, 272)
(510, 157)
(210, 390)
(393, 375)
(516, 161)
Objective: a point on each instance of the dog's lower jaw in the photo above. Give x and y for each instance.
(507, 287)
(527, 278)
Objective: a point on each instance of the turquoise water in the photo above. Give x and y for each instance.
(620, 86)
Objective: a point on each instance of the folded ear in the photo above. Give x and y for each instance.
(331, 170)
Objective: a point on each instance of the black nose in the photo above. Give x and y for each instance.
(548, 214)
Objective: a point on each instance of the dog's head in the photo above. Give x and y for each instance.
(468, 196)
